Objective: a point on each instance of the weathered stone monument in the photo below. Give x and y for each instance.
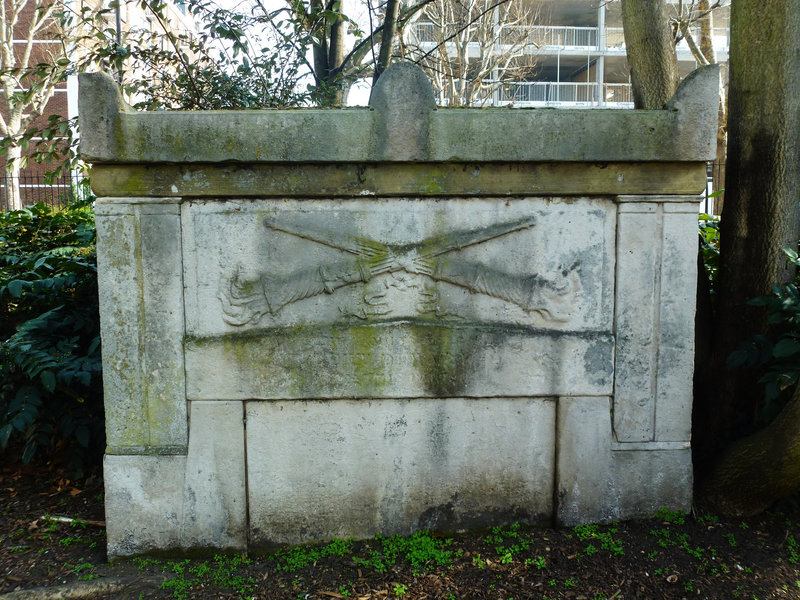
(333, 323)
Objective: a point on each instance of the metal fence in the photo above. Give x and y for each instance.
(550, 36)
(33, 189)
(423, 33)
(538, 35)
(573, 93)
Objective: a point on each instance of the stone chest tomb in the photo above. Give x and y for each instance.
(334, 323)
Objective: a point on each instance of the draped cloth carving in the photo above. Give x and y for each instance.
(435, 259)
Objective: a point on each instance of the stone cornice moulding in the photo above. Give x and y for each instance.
(402, 125)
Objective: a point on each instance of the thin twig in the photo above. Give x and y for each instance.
(71, 521)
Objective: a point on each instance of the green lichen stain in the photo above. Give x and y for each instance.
(308, 361)
(443, 352)
(430, 180)
(377, 256)
(129, 427)
(126, 399)
(141, 317)
(125, 181)
(443, 358)
(129, 140)
(255, 355)
(366, 361)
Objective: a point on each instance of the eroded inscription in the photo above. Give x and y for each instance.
(382, 268)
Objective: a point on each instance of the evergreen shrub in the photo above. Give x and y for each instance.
(50, 367)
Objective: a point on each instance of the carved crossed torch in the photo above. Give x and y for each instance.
(245, 301)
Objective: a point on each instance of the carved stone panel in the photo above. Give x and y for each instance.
(499, 286)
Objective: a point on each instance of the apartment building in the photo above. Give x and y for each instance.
(572, 55)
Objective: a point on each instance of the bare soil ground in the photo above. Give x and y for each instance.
(671, 556)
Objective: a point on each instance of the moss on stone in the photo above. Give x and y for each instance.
(443, 358)
(367, 369)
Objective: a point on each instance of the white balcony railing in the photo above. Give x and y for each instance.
(547, 36)
(534, 35)
(550, 36)
(615, 39)
(545, 93)
(423, 33)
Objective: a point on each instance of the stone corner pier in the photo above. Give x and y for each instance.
(334, 323)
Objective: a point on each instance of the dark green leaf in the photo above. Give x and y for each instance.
(29, 451)
(48, 380)
(5, 434)
(82, 435)
(786, 347)
(15, 287)
(737, 358)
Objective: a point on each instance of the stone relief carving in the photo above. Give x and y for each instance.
(417, 266)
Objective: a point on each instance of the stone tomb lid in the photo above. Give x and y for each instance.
(402, 124)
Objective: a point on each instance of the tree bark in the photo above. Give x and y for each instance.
(761, 194)
(336, 46)
(706, 23)
(759, 469)
(335, 81)
(651, 54)
(718, 176)
(321, 50)
(387, 38)
(12, 173)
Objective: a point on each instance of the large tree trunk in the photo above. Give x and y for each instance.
(761, 192)
(758, 469)
(651, 55)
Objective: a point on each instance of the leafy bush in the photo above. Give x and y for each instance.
(709, 245)
(50, 366)
(779, 353)
(241, 57)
